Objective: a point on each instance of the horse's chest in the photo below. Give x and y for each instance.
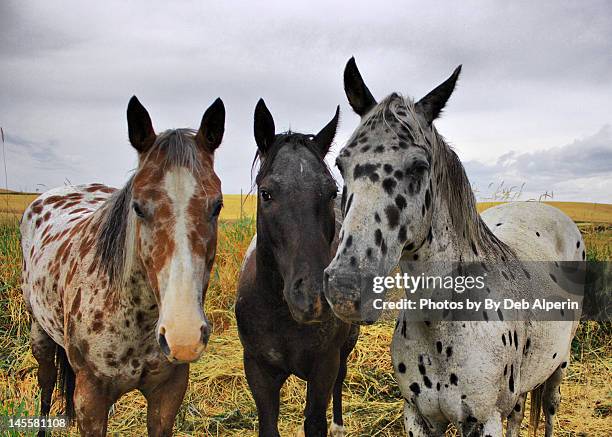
(125, 359)
(118, 344)
(144, 367)
(292, 339)
(285, 344)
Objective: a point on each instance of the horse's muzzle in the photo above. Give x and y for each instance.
(178, 348)
(350, 296)
(305, 305)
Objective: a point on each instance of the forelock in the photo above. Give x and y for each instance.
(176, 148)
(395, 112)
(282, 141)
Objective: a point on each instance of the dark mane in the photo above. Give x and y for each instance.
(112, 235)
(281, 140)
(114, 241)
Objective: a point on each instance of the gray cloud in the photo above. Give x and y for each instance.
(26, 34)
(43, 155)
(581, 170)
(29, 163)
(535, 74)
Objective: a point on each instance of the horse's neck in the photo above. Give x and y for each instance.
(457, 231)
(446, 243)
(268, 276)
(451, 242)
(136, 291)
(467, 245)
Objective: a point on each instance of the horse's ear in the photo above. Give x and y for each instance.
(140, 128)
(358, 94)
(263, 127)
(212, 126)
(432, 104)
(326, 136)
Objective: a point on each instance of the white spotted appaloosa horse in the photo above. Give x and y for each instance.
(115, 279)
(407, 200)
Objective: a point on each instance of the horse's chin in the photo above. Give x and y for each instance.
(356, 320)
(307, 318)
(356, 317)
(363, 322)
(177, 361)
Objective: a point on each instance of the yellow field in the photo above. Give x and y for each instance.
(580, 212)
(12, 206)
(236, 206)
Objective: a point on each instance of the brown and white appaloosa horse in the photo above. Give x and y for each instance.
(115, 279)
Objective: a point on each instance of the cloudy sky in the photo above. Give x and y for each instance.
(533, 105)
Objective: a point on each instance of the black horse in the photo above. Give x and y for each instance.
(285, 324)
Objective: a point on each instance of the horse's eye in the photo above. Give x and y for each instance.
(334, 194)
(217, 210)
(419, 167)
(265, 196)
(138, 210)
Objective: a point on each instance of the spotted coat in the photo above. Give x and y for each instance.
(117, 278)
(407, 200)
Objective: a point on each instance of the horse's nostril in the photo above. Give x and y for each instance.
(298, 284)
(163, 344)
(205, 330)
(325, 278)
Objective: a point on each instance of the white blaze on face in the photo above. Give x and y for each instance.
(181, 315)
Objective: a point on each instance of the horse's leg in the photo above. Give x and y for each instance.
(318, 393)
(265, 384)
(416, 425)
(551, 398)
(492, 427)
(91, 404)
(515, 418)
(164, 401)
(337, 427)
(43, 349)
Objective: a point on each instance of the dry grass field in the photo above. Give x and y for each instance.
(218, 402)
(13, 204)
(236, 206)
